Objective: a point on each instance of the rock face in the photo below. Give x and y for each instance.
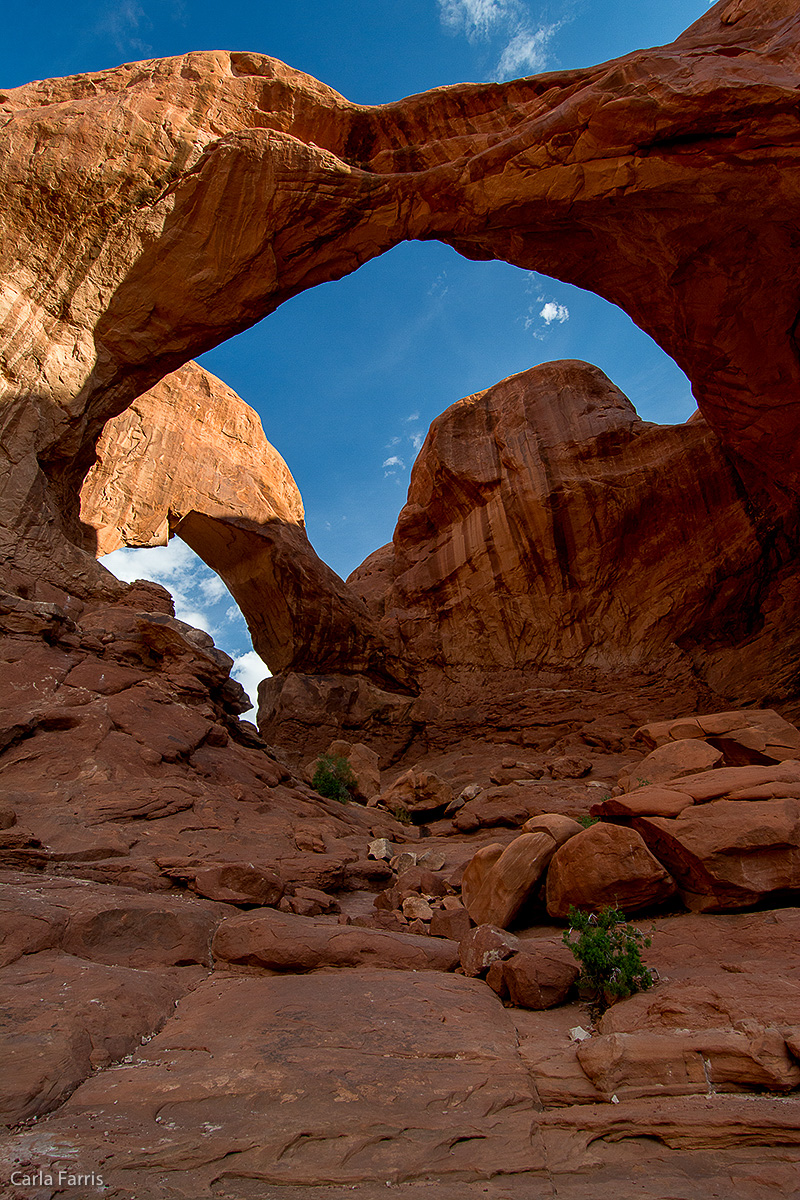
(547, 523)
(190, 457)
(147, 213)
(122, 759)
(588, 175)
(729, 854)
(605, 865)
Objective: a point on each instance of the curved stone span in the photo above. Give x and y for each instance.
(153, 210)
(189, 457)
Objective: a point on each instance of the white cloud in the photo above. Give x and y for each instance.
(417, 440)
(395, 462)
(475, 17)
(395, 441)
(525, 53)
(554, 312)
(524, 42)
(172, 561)
(414, 417)
(213, 588)
(249, 670)
(200, 597)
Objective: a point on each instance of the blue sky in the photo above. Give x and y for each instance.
(347, 377)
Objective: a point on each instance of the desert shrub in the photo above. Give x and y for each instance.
(609, 952)
(334, 778)
(586, 821)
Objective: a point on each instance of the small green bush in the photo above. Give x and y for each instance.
(586, 821)
(334, 778)
(609, 952)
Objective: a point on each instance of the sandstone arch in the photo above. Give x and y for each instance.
(189, 457)
(152, 210)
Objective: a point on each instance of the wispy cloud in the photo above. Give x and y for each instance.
(396, 462)
(526, 52)
(476, 18)
(122, 23)
(413, 417)
(508, 22)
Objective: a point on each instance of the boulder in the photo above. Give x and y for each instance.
(416, 908)
(508, 805)
(512, 880)
(570, 766)
(560, 828)
(606, 865)
(671, 761)
(644, 801)
(763, 733)
(477, 870)
(743, 783)
(484, 946)
(418, 793)
(540, 976)
(365, 765)
(450, 922)
(729, 854)
(381, 849)
(415, 881)
(239, 883)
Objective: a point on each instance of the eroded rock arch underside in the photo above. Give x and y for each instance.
(153, 210)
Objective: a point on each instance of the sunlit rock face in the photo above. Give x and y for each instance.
(152, 210)
(190, 457)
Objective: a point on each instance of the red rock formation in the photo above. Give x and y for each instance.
(546, 523)
(179, 201)
(168, 205)
(190, 457)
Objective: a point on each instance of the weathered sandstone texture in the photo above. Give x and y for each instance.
(189, 457)
(546, 523)
(152, 210)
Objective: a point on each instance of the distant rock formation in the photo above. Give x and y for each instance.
(190, 457)
(547, 524)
